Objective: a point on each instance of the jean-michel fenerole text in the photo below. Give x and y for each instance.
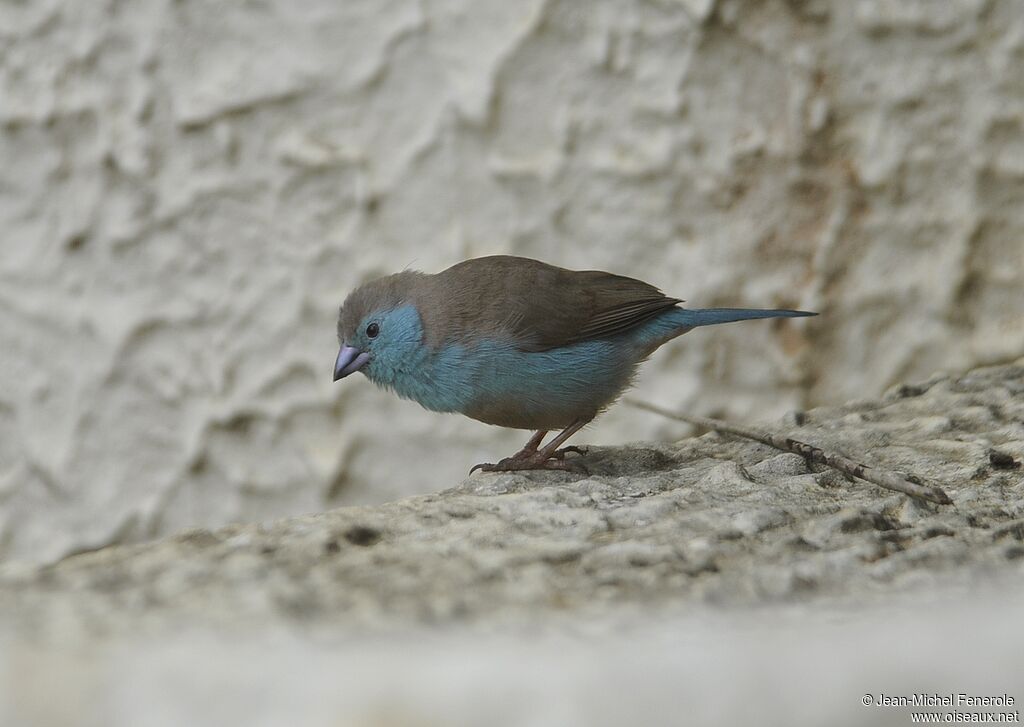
(945, 700)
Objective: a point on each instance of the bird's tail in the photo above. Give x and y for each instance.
(711, 316)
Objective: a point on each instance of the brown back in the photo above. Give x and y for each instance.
(536, 305)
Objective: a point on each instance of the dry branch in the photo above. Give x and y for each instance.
(888, 480)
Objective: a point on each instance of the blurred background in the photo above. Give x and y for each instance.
(189, 188)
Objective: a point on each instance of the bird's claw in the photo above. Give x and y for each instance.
(536, 461)
(482, 466)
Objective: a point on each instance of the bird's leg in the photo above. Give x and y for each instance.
(535, 457)
(552, 451)
(531, 446)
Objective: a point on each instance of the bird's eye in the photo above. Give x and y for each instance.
(372, 330)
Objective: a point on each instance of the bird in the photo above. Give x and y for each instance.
(515, 342)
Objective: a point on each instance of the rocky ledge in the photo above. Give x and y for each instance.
(710, 519)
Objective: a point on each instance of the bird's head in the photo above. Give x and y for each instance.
(379, 329)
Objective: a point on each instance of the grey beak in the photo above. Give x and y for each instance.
(349, 361)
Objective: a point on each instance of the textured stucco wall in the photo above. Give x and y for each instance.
(188, 189)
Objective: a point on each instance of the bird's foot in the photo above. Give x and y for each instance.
(536, 460)
(560, 453)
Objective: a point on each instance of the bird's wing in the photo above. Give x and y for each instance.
(618, 304)
(540, 306)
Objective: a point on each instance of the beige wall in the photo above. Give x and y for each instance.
(188, 189)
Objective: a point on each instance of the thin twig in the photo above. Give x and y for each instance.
(811, 453)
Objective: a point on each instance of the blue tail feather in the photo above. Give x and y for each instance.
(711, 316)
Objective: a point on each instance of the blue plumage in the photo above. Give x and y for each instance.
(493, 381)
(714, 316)
(514, 342)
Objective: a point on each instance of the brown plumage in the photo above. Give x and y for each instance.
(536, 305)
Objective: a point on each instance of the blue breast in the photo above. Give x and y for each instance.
(496, 383)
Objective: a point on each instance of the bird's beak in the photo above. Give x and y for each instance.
(349, 361)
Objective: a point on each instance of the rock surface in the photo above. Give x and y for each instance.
(709, 520)
(715, 578)
(189, 188)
